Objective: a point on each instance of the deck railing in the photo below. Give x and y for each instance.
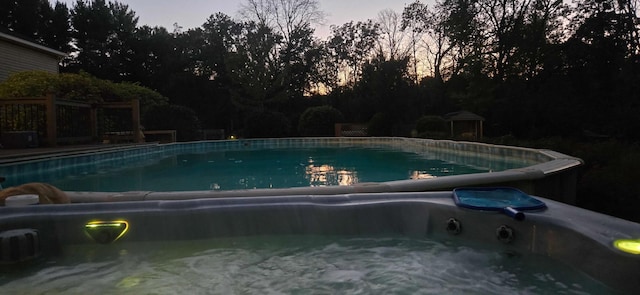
(57, 121)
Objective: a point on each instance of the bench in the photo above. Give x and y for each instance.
(351, 129)
(162, 136)
(118, 137)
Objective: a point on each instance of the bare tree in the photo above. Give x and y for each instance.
(392, 38)
(284, 16)
(439, 45)
(414, 20)
(260, 11)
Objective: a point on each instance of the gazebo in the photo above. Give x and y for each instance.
(465, 124)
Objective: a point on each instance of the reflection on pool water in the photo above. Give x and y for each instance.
(261, 168)
(299, 265)
(327, 175)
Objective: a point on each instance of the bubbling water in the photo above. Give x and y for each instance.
(299, 265)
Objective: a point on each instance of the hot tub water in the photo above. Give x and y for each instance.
(300, 264)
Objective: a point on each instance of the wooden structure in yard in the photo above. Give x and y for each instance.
(161, 136)
(350, 129)
(65, 121)
(465, 125)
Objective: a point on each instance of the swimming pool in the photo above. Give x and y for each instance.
(258, 168)
(401, 243)
(541, 172)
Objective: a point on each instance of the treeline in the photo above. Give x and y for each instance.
(532, 68)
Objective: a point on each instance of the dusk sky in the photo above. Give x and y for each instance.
(193, 13)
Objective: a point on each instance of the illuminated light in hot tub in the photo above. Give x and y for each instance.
(105, 232)
(627, 245)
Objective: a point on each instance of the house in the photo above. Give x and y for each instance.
(18, 55)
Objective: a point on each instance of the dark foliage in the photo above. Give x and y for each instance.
(319, 121)
(267, 124)
(173, 117)
(380, 125)
(432, 127)
(38, 21)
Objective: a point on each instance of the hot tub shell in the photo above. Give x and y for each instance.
(574, 236)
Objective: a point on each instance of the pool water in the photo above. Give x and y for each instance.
(298, 265)
(266, 168)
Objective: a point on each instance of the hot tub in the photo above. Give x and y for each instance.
(579, 239)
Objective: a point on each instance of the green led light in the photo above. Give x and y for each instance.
(627, 245)
(105, 232)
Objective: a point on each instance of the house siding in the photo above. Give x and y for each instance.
(15, 58)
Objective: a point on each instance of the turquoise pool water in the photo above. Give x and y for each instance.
(299, 265)
(255, 168)
(229, 165)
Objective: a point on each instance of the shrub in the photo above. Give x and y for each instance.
(80, 87)
(30, 83)
(319, 121)
(148, 98)
(267, 124)
(173, 117)
(380, 125)
(432, 127)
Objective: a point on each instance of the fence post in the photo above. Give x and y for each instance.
(135, 119)
(52, 127)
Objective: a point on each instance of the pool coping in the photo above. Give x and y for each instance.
(440, 183)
